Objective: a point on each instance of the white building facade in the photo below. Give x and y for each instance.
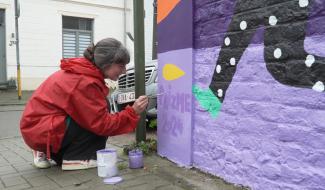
(52, 29)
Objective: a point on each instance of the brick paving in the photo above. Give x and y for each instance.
(17, 172)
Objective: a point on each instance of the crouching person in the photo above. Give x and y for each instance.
(67, 118)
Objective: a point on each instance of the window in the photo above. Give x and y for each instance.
(77, 35)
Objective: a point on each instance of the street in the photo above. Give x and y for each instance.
(9, 120)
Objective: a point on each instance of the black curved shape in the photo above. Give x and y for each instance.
(285, 30)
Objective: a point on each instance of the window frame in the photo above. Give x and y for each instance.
(77, 33)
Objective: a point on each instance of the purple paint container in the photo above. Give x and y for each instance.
(135, 159)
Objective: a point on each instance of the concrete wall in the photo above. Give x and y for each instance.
(258, 117)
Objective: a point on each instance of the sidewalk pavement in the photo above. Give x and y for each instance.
(17, 172)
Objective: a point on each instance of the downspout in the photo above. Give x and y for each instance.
(17, 14)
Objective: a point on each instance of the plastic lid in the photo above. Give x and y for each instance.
(109, 150)
(113, 180)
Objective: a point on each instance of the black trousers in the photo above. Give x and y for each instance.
(78, 144)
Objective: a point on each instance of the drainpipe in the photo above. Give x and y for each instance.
(139, 63)
(17, 14)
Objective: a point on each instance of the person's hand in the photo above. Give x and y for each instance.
(140, 104)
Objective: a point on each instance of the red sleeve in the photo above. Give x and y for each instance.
(88, 107)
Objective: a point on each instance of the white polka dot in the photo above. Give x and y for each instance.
(220, 93)
(243, 25)
(227, 41)
(232, 61)
(273, 20)
(310, 60)
(319, 86)
(218, 68)
(277, 53)
(303, 3)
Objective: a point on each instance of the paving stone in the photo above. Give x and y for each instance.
(45, 187)
(3, 148)
(11, 175)
(19, 187)
(108, 187)
(31, 173)
(21, 167)
(3, 162)
(7, 170)
(170, 187)
(130, 176)
(53, 171)
(131, 183)
(157, 160)
(74, 187)
(141, 187)
(2, 186)
(18, 173)
(93, 171)
(14, 148)
(13, 180)
(64, 180)
(135, 172)
(12, 157)
(96, 181)
(42, 181)
(84, 176)
(155, 181)
(26, 155)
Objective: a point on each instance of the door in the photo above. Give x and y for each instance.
(3, 70)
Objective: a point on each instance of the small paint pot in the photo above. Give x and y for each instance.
(135, 159)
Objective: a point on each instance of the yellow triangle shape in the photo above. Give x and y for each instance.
(172, 72)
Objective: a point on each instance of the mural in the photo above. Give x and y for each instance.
(285, 56)
(165, 8)
(178, 102)
(264, 62)
(258, 72)
(172, 72)
(175, 36)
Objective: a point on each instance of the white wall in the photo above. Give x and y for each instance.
(148, 28)
(40, 30)
(10, 28)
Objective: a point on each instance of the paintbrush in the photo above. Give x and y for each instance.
(153, 96)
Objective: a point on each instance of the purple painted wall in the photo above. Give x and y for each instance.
(175, 102)
(175, 109)
(267, 135)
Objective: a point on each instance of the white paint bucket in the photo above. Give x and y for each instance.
(107, 163)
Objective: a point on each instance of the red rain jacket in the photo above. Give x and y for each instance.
(77, 90)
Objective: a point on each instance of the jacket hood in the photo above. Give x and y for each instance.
(81, 66)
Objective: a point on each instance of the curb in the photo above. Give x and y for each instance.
(13, 104)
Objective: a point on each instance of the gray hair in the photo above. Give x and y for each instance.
(106, 52)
